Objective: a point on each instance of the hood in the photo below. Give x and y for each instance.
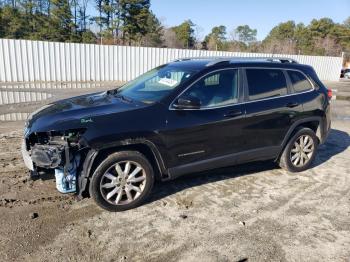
(77, 111)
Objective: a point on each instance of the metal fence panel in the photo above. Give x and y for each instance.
(25, 60)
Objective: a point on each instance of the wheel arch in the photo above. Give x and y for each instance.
(314, 123)
(96, 156)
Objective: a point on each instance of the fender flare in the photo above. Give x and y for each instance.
(300, 122)
(85, 170)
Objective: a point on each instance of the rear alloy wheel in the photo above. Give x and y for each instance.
(300, 151)
(122, 181)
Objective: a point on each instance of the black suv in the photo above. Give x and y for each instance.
(186, 116)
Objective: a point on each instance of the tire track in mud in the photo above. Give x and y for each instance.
(216, 193)
(10, 203)
(286, 201)
(215, 187)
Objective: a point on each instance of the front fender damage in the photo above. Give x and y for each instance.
(72, 158)
(58, 151)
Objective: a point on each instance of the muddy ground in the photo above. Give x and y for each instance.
(253, 212)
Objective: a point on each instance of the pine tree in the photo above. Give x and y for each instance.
(154, 32)
(134, 14)
(185, 33)
(12, 23)
(82, 15)
(61, 21)
(215, 39)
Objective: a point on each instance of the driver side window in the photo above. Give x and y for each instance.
(216, 89)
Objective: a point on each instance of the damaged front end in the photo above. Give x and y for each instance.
(60, 151)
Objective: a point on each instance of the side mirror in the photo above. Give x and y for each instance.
(188, 102)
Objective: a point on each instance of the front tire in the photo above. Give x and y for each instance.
(300, 151)
(122, 181)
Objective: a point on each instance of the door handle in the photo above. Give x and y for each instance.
(233, 113)
(292, 104)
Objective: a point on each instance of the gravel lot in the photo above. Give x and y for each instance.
(253, 212)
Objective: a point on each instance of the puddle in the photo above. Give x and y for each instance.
(58, 85)
(345, 118)
(14, 117)
(13, 97)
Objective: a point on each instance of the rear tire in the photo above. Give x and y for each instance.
(123, 181)
(300, 151)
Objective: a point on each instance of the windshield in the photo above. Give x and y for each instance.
(155, 84)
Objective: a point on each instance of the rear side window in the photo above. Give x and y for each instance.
(299, 81)
(265, 83)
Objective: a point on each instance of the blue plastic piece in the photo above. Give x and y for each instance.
(67, 184)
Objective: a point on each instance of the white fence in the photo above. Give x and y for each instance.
(24, 60)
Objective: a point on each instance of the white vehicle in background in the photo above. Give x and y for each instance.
(347, 74)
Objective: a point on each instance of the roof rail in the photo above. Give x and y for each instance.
(220, 59)
(215, 59)
(282, 59)
(203, 57)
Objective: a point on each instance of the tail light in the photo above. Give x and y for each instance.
(329, 93)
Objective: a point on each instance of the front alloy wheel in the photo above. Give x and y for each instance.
(122, 181)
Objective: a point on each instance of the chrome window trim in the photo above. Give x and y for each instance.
(244, 102)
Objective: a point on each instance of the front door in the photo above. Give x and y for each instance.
(195, 136)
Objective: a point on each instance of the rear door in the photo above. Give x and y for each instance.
(270, 109)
